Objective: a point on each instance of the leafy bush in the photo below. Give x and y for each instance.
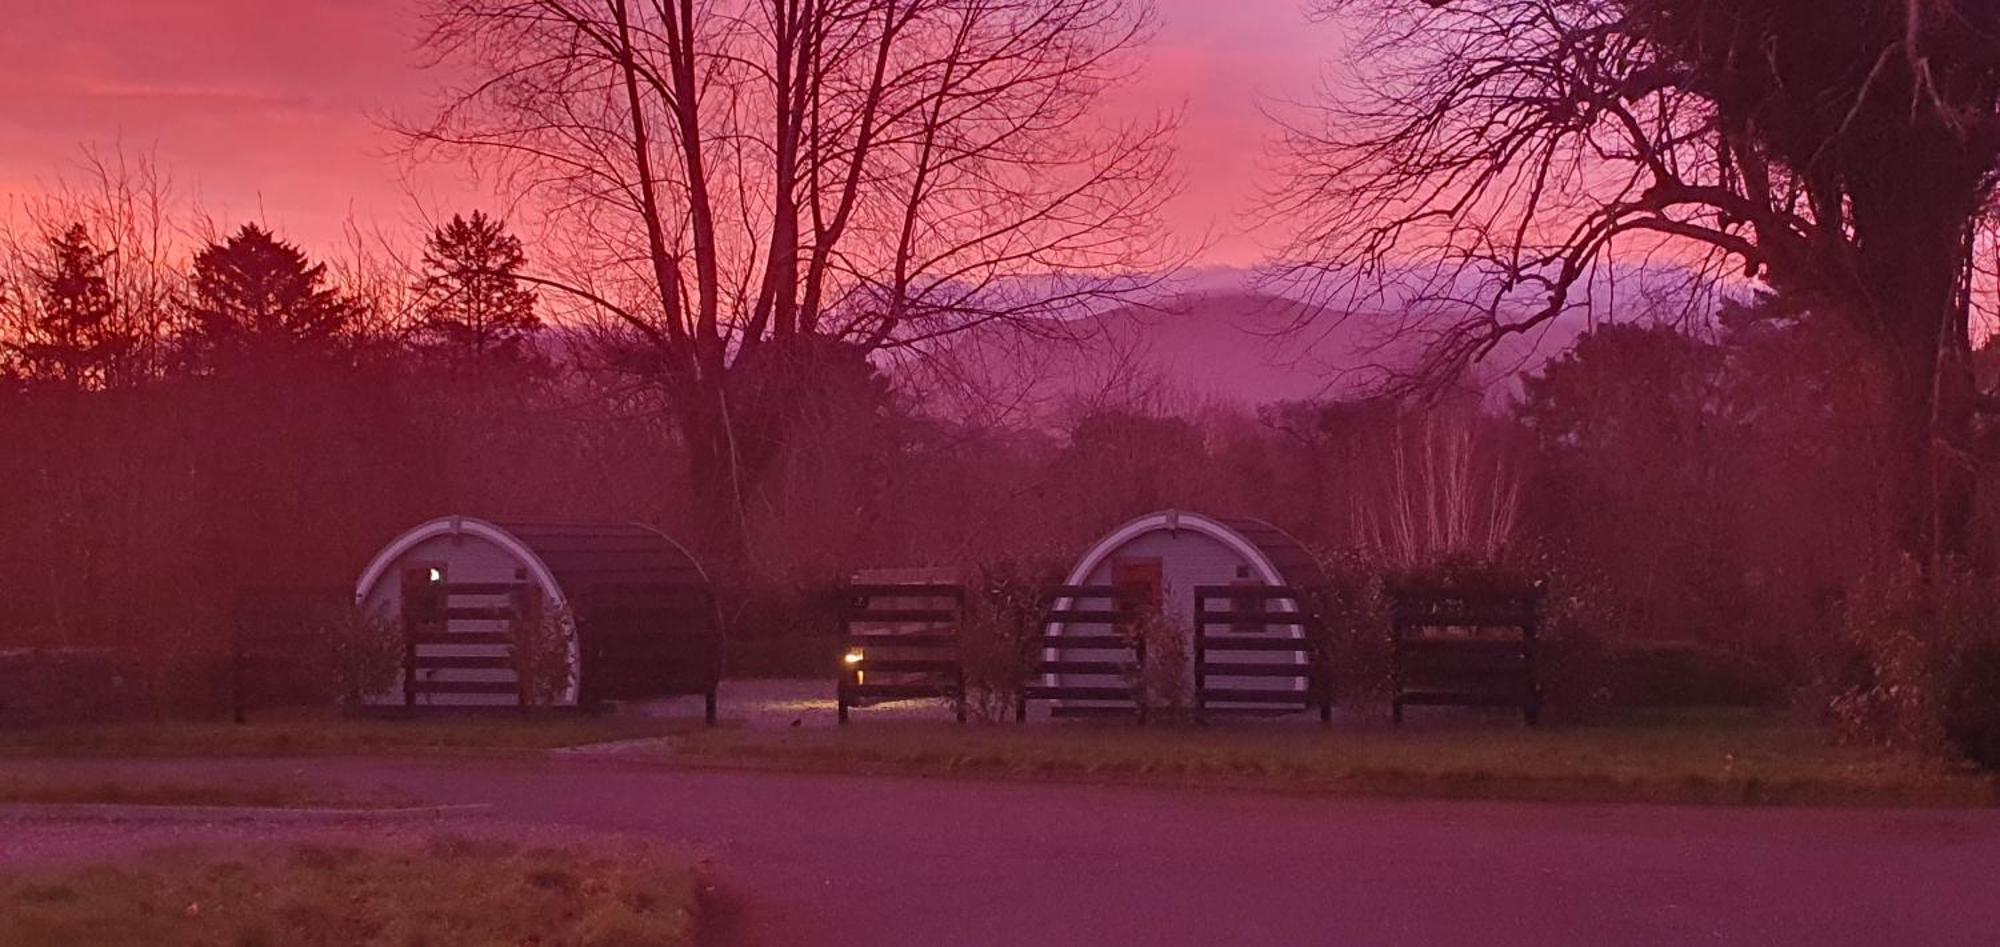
(1922, 667)
(1003, 618)
(542, 654)
(368, 651)
(1356, 617)
(1164, 681)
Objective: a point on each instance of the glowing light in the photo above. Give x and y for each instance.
(852, 658)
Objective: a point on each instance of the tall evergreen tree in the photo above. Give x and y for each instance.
(257, 297)
(66, 330)
(474, 304)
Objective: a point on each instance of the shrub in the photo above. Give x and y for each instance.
(1580, 622)
(1003, 619)
(1163, 681)
(542, 656)
(1920, 669)
(368, 651)
(1357, 652)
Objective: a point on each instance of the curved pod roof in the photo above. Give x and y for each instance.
(565, 559)
(1277, 558)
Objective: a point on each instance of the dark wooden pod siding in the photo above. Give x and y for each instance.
(486, 607)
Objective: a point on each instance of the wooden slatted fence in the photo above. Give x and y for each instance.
(1096, 656)
(1297, 680)
(1464, 647)
(906, 652)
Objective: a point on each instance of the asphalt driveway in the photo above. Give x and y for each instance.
(839, 860)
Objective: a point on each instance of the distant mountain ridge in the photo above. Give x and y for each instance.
(1224, 340)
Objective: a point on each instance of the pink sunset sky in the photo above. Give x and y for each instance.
(273, 110)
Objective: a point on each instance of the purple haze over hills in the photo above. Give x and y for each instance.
(1224, 339)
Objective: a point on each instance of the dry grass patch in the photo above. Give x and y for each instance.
(454, 892)
(1688, 757)
(330, 734)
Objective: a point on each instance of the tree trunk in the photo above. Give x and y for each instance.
(1912, 255)
(716, 483)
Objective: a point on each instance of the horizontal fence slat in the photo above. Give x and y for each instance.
(1266, 592)
(483, 588)
(1439, 645)
(932, 590)
(466, 637)
(1294, 645)
(1085, 643)
(895, 691)
(1085, 667)
(1246, 711)
(891, 640)
(1068, 692)
(508, 688)
(911, 615)
(436, 662)
(907, 666)
(1272, 619)
(479, 613)
(1087, 616)
(1252, 695)
(1240, 669)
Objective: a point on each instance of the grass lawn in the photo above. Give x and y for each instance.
(324, 734)
(1718, 757)
(452, 893)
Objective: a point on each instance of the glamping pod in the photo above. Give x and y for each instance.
(588, 612)
(1165, 562)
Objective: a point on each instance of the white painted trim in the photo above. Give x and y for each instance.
(552, 593)
(1174, 521)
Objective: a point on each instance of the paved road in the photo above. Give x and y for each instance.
(838, 860)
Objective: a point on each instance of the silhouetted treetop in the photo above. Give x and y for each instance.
(67, 330)
(257, 297)
(474, 304)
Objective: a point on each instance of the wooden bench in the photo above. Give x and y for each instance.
(1464, 646)
(918, 656)
(1114, 652)
(1298, 680)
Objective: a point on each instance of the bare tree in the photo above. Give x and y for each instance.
(742, 187)
(1505, 152)
(124, 206)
